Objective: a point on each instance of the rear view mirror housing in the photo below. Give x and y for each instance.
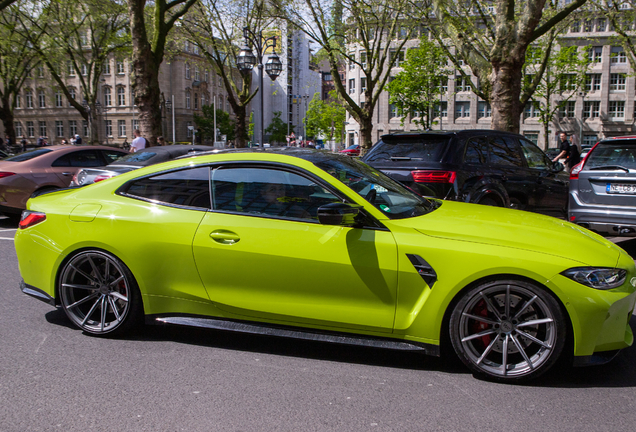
(342, 214)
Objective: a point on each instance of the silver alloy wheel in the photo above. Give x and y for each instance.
(506, 330)
(95, 292)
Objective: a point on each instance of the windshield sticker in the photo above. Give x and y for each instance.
(385, 208)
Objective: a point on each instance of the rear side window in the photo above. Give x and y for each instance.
(423, 149)
(111, 155)
(505, 151)
(613, 154)
(28, 155)
(476, 151)
(189, 187)
(79, 159)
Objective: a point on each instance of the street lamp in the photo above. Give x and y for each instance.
(168, 106)
(247, 60)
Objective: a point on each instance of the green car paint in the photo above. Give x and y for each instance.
(325, 277)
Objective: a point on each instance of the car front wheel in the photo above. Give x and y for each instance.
(508, 330)
(99, 294)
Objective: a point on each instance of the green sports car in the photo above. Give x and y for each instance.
(308, 244)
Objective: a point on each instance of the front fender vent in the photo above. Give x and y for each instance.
(424, 269)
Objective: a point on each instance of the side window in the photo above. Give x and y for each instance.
(62, 161)
(476, 151)
(267, 191)
(534, 156)
(505, 151)
(111, 156)
(189, 187)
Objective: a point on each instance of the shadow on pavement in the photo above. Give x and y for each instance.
(8, 223)
(618, 373)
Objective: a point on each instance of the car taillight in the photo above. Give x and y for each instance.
(421, 176)
(4, 174)
(574, 173)
(30, 218)
(101, 177)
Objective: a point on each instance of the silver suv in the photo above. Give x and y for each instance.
(603, 188)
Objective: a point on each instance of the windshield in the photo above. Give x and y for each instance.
(413, 148)
(613, 154)
(28, 155)
(387, 195)
(135, 157)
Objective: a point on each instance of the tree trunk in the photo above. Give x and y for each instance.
(240, 126)
(6, 113)
(147, 93)
(366, 134)
(506, 90)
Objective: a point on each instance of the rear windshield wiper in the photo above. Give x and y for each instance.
(609, 167)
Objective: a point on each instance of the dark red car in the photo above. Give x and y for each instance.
(352, 150)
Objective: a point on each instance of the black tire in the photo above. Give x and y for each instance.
(489, 201)
(508, 330)
(99, 294)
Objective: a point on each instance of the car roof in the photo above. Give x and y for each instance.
(392, 137)
(160, 154)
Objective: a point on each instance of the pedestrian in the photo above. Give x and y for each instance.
(161, 141)
(78, 139)
(24, 144)
(139, 142)
(40, 141)
(568, 151)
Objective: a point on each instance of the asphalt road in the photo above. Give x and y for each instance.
(54, 377)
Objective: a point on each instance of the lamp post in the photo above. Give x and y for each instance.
(168, 106)
(247, 60)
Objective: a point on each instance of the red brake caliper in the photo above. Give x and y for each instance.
(478, 326)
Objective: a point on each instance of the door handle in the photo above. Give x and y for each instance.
(224, 237)
(66, 173)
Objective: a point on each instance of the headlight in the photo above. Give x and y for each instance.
(595, 277)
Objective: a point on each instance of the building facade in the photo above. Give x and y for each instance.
(603, 108)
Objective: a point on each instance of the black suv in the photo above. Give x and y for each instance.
(480, 166)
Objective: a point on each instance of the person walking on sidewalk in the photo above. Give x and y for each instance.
(139, 142)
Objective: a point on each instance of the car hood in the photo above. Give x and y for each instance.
(516, 229)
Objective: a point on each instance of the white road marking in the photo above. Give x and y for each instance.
(6, 238)
(7, 230)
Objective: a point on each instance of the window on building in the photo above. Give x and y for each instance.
(595, 54)
(592, 82)
(30, 129)
(363, 84)
(601, 24)
(484, 110)
(18, 128)
(588, 25)
(40, 71)
(121, 128)
(567, 82)
(120, 67)
(533, 137)
(196, 74)
(186, 47)
(108, 127)
(72, 93)
(189, 129)
(41, 99)
(363, 59)
(135, 124)
(206, 75)
(443, 80)
(617, 110)
(106, 68)
(28, 97)
(187, 70)
(72, 127)
(444, 110)
(107, 97)
(187, 95)
(84, 70)
(617, 82)
(85, 127)
(618, 56)
(352, 86)
(567, 109)
(397, 57)
(121, 96)
(393, 111)
(462, 83)
(59, 128)
(70, 68)
(589, 140)
(58, 99)
(531, 110)
(462, 110)
(591, 109)
(352, 65)
(18, 101)
(195, 49)
(42, 128)
(575, 27)
(196, 101)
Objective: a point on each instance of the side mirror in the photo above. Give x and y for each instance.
(557, 166)
(337, 213)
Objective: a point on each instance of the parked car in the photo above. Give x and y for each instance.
(603, 188)
(145, 157)
(46, 169)
(479, 166)
(320, 246)
(352, 150)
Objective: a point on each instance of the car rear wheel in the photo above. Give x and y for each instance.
(99, 294)
(489, 201)
(508, 330)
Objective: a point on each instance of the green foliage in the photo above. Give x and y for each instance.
(417, 87)
(325, 118)
(277, 129)
(250, 127)
(205, 123)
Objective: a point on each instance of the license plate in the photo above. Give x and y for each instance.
(621, 188)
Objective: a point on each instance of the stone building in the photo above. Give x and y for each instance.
(604, 108)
